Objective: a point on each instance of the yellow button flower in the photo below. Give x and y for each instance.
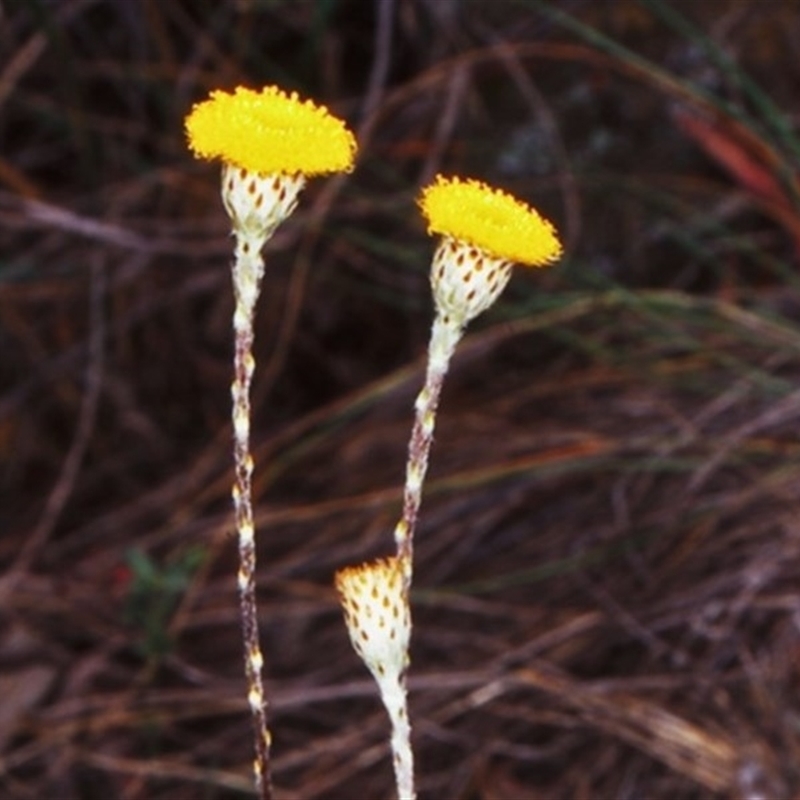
(491, 220)
(269, 142)
(270, 132)
(484, 232)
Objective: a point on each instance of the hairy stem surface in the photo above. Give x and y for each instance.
(445, 335)
(247, 272)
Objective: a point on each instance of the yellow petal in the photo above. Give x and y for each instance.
(270, 132)
(497, 223)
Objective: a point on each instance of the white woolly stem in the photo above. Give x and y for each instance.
(257, 204)
(394, 699)
(248, 269)
(445, 335)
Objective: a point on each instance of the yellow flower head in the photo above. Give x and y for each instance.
(491, 220)
(270, 132)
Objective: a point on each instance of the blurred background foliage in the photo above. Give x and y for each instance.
(609, 551)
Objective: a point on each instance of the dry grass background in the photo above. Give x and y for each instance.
(607, 585)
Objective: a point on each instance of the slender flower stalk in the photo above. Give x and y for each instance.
(374, 598)
(484, 232)
(445, 335)
(268, 143)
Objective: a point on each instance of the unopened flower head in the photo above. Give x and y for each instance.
(374, 597)
(484, 232)
(375, 604)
